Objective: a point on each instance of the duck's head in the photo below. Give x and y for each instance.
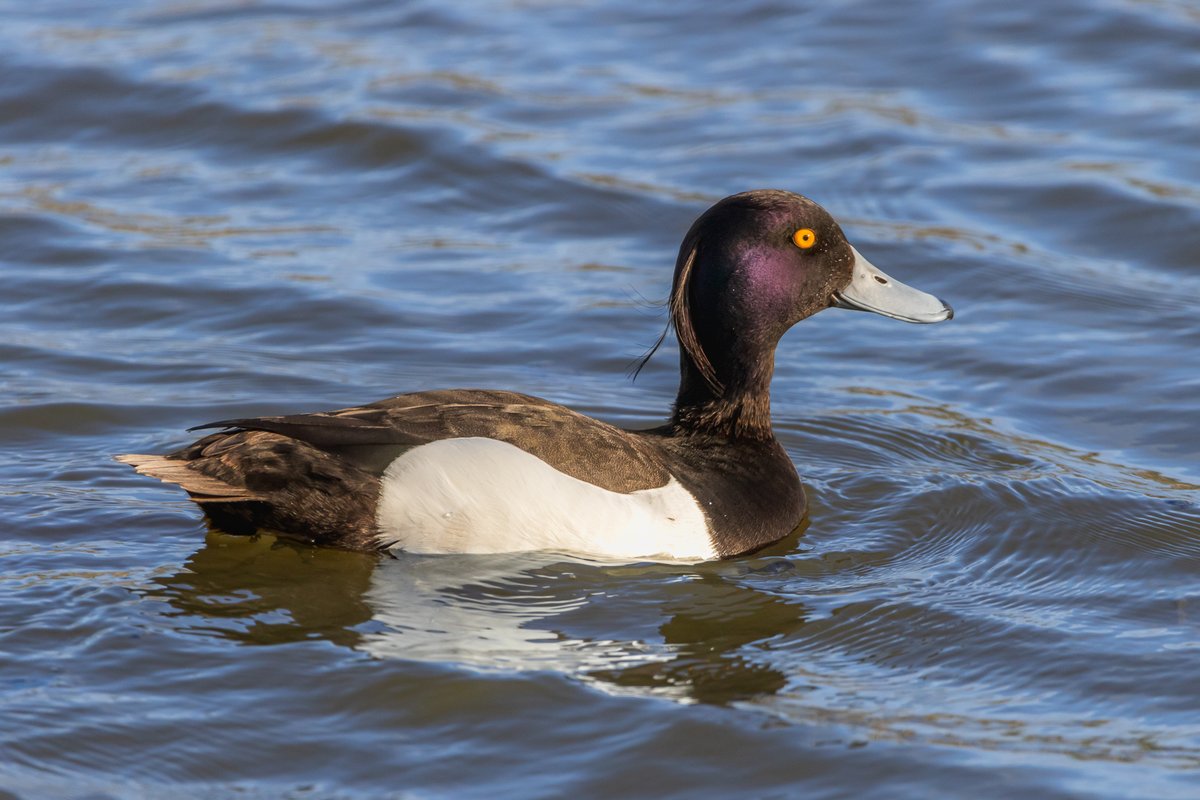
(757, 263)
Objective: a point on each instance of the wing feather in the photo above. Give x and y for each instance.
(571, 442)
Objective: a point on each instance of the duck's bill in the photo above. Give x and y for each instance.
(871, 290)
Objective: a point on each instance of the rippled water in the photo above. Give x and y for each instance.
(214, 208)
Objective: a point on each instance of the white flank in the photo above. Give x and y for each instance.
(478, 495)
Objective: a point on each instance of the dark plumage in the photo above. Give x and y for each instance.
(748, 269)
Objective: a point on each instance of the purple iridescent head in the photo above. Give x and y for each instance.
(757, 263)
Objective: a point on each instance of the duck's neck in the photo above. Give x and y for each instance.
(740, 410)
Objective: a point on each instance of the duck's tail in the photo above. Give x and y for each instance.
(203, 488)
(247, 481)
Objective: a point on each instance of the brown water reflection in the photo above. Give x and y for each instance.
(710, 631)
(266, 591)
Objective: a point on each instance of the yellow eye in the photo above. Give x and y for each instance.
(804, 238)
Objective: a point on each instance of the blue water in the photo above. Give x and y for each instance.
(211, 209)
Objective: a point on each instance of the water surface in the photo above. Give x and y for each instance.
(211, 209)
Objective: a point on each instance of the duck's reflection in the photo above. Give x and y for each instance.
(265, 591)
(714, 631)
(698, 633)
